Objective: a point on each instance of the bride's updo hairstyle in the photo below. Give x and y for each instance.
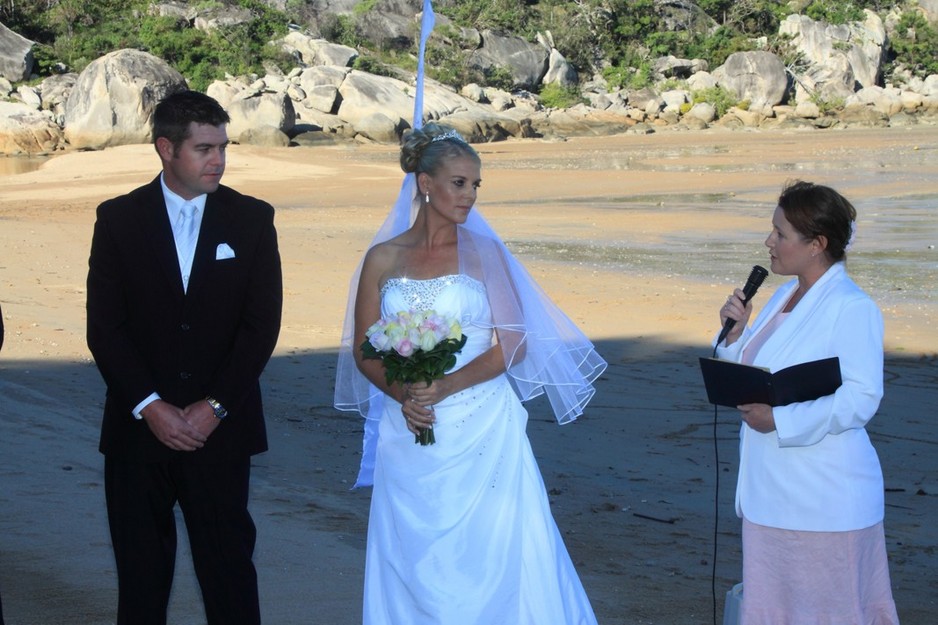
(815, 210)
(426, 149)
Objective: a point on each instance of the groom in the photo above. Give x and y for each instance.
(184, 303)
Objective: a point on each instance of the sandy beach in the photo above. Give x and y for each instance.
(638, 238)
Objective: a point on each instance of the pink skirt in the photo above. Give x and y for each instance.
(815, 578)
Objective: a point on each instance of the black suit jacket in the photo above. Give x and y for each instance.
(147, 334)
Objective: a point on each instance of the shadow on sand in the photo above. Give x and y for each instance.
(632, 486)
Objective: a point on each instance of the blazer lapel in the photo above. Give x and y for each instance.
(780, 343)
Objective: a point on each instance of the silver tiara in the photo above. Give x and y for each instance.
(449, 134)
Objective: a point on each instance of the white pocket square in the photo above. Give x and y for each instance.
(224, 251)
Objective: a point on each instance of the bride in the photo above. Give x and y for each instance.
(460, 532)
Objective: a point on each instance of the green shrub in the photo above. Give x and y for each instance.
(827, 106)
(915, 44)
(498, 77)
(834, 12)
(627, 76)
(721, 99)
(557, 96)
(512, 16)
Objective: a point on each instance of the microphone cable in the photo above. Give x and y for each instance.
(716, 509)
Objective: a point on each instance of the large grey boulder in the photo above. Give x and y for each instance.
(831, 81)
(251, 111)
(55, 91)
(478, 127)
(265, 136)
(580, 121)
(179, 10)
(361, 94)
(861, 46)
(674, 99)
(559, 70)
(703, 111)
(222, 17)
(264, 103)
(701, 80)
(312, 51)
(114, 97)
(24, 130)
(757, 76)
(526, 62)
(672, 67)
(390, 25)
(381, 128)
(684, 15)
(16, 55)
(862, 115)
(886, 101)
(29, 96)
(321, 86)
(930, 86)
(929, 8)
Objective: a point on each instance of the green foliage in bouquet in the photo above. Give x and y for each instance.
(415, 347)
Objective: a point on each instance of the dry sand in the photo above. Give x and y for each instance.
(638, 238)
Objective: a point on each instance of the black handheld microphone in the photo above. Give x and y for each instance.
(756, 277)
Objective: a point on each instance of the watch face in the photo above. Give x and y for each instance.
(217, 408)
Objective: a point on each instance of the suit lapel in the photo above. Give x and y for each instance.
(160, 232)
(210, 233)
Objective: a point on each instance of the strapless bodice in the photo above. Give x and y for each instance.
(458, 296)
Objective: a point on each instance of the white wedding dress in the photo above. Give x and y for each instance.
(460, 532)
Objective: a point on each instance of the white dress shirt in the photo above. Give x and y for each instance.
(185, 251)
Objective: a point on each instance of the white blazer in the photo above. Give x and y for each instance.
(818, 471)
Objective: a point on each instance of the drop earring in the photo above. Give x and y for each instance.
(426, 196)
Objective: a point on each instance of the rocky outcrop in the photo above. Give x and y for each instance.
(322, 100)
(16, 55)
(24, 130)
(114, 97)
(840, 59)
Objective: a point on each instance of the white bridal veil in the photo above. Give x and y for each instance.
(544, 350)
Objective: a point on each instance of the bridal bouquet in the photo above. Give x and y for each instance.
(415, 346)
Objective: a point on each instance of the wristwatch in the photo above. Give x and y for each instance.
(219, 410)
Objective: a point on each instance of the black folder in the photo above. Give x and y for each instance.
(733, 384)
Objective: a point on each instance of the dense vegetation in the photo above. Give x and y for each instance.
(619, 38)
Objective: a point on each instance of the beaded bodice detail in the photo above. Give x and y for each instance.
(458, 296)
(423, 294)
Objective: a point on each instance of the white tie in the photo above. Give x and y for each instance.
(186, 235)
